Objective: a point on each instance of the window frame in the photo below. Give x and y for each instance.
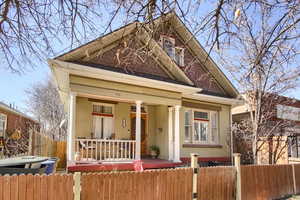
(171, 40)
(5, 124)
(103, 115)
(209, 141)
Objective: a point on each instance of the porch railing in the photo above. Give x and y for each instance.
(105, 150)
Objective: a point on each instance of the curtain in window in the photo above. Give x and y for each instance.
(103, 127)
(97, 126)
(107, 127)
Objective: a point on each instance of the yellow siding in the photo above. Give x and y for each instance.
(151, 126)
(83, 117)
(124, 87)
(162, 130)
(122, 111)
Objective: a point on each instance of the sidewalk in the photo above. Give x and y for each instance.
(296, 197)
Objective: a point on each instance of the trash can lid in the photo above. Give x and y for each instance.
(48, 162)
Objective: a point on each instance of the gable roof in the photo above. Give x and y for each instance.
(90, 49)
(194, 46)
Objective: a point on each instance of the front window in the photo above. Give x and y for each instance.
(3, 121)
(201, 127)
(168, 45)
(103, 121)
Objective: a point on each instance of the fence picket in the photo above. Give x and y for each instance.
(257, 182)
(14, 187)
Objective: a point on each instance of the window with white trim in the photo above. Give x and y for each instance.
(168, 45)
(201, 127)
(176, 53)
(103, 121)
(3, 124)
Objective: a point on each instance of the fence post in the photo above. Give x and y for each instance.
(237, 164)
(195, 167)
(294, 179)
(77, 185)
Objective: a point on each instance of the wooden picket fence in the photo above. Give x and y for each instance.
(45, 146)
(267, 181)
(216, 183)
(36, 187)
(258, 182)
(157, 184)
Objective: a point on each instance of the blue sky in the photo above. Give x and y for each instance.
(13, 86)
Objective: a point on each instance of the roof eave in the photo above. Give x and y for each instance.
(86, 71)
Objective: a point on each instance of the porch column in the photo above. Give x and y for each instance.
(71, 126)
(177, 135)
(138, 130)
(171, 143)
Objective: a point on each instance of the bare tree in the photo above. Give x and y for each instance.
(32, 29)
(44, 103)
(261, 53)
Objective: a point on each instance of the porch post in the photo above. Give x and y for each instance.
(177, 135)
(138, 130)
(171, 143)
(71, 126)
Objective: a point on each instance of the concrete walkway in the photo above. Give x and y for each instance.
(297, 197)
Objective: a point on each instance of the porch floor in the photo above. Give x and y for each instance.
(147, 163)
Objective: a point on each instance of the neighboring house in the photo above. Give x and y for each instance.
(123, 98)
(284, 144)
(16, 129)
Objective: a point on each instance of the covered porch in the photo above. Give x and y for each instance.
(111, 126)
(120, 130)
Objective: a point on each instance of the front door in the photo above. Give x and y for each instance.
(143, 132)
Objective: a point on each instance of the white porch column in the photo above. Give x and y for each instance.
(177, 135)
(71, 126)
(171, 141)
(138, 130)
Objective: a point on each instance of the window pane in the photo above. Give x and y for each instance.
(2, 117)
(203, 131)
(187, 118)
(102, 109)
(1, 125)
(196, 132)
(107, 109)
(200, 115)
(187, 133)
(168, 46)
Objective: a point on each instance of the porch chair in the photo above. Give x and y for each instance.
(87, 151)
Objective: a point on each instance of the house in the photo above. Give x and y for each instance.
(16, 131)
(282, 145)
(128, 90)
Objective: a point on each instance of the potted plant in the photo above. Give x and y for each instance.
(154, 151)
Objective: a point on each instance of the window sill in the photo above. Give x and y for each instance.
(202, 145)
